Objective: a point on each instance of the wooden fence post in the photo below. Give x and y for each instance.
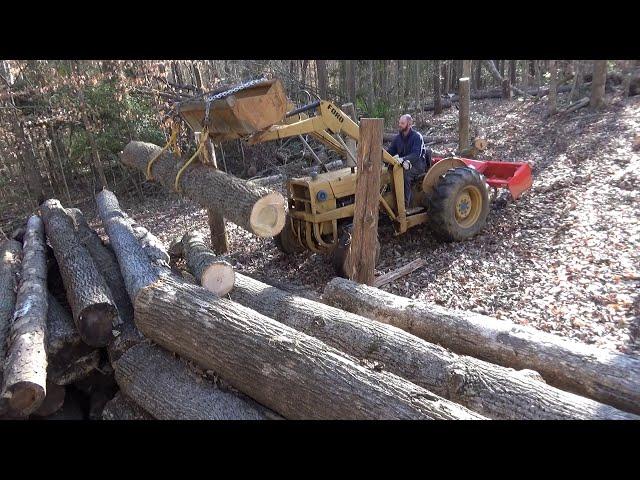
(361, 260)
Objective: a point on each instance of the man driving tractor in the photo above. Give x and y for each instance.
(409, 149)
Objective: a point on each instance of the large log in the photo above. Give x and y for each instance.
(164, 386)
(120, 407)
(292, 373)
(605, 376)
(212, 272)
(289, 372)
(69, 358)
(253, 208)
(94, 311)
(10, 252)
(25, 373)
(106, 262)
(491, 390)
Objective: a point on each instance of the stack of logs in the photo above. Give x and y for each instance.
(123, 328)
(116, 330)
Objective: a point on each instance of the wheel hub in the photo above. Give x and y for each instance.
(468, 205)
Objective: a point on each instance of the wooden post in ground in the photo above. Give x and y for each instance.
(350, 110)
(361, 260)
(219, 239)
(463, 119)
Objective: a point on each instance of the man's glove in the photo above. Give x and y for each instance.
(406, 164)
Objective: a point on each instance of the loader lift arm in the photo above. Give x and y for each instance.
(332, 120)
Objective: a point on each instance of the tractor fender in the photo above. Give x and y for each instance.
(430, 180)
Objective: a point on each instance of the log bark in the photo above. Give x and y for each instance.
(106, 263)
(135, 266)
(362, 252)
(10, 253)
(25, 373)
(291, 373)
(212, 272)
(69, 358)
(253, 208)
(608, 377)
(491, 390)
(164, 386)
(583, 102)
(94, 311)
(120, 407)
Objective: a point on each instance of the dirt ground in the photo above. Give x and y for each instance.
(565, 258)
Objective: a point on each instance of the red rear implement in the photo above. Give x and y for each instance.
(515, 176)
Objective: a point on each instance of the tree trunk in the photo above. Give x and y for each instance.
(120, 407)
(463, 115)
(370, 88)
(491, 390)
(553, 88)
(69, 358)
(496, 75)
(255, 209)
(610, 378)
(437, 95)
(25, 372)
(258, 356)
(478, 75)
(362, 252)
(400, 84)
(506, 89)
(106, 263)
(213, 273)
(95, 154)
(512, 71)
(598, 83)
(168, 389)
(10, 252)
(323, 78)
(351, 81)
(577, 82)
(94, 311)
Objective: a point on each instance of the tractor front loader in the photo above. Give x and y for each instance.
(452, 195)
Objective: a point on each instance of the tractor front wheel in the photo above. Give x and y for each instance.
(341, 252)
(286, 241)
(459, 206)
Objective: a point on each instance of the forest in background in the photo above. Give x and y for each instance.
(63, 122)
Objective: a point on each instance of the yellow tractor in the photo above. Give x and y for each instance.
(452, 195)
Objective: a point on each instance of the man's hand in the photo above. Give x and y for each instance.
(406, 164)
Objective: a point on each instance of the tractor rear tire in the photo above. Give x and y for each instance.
(286, 241)
(459, 206)
(340, 254)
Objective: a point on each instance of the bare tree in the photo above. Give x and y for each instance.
(437, 98)
(323, 79)
(598, 83)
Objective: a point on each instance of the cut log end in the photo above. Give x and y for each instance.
(26, 397)
(53, 400)
(96, 324)
(268, 215)
(219, 278)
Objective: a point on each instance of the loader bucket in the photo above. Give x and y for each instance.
(239, 112)
(514, 176)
